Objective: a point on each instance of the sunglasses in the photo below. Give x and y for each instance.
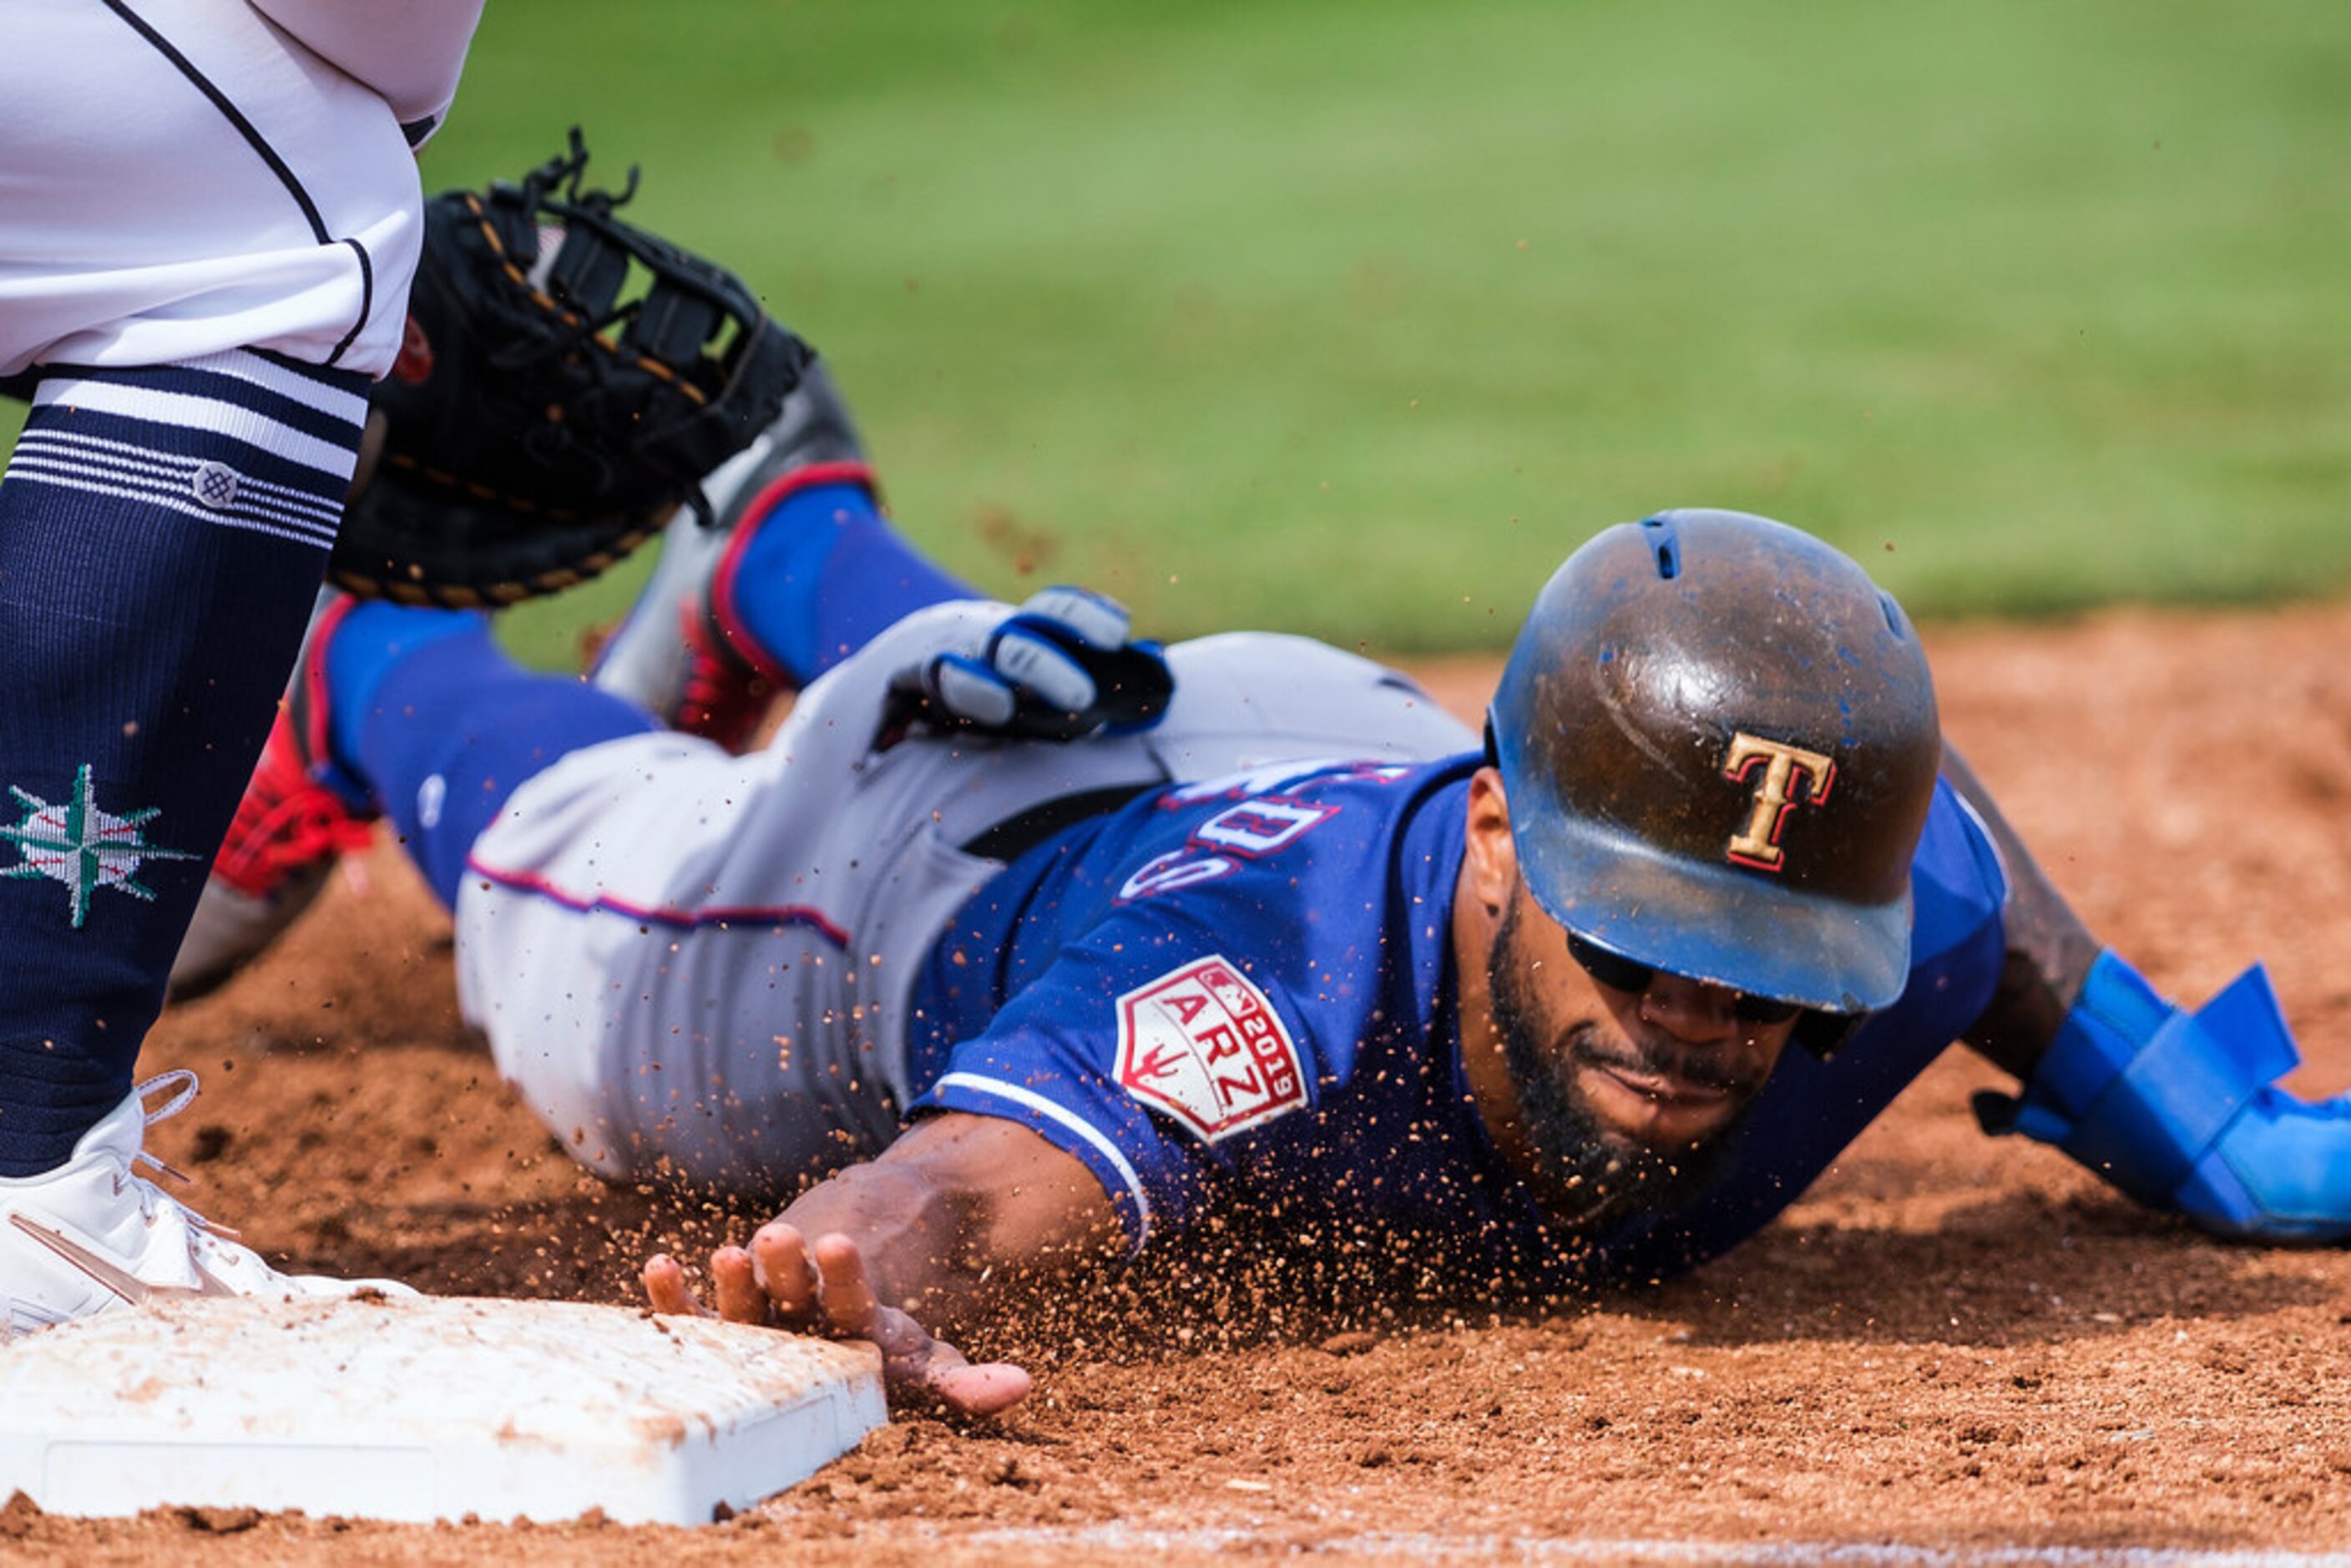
(1619, 973)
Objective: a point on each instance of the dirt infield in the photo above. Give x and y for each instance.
(1951, 1346)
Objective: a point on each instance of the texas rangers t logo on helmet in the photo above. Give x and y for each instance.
(1757, 843)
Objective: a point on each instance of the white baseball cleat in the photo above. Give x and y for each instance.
(682, 653)
(95, 1235)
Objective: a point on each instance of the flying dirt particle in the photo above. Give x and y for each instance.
(1027, 549)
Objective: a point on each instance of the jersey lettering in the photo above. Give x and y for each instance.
(1260, 827)
(1166, 872)
(1252, 828)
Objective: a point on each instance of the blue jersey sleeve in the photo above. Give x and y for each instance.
(1216, 967)
(1141, 1050)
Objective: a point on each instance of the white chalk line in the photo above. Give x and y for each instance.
(1421, 1545)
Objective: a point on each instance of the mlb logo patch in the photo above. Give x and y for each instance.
(1202, 1045)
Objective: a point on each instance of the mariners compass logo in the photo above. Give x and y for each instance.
(75, 842)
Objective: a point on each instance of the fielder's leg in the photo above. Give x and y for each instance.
(162, 531)
(199, 215)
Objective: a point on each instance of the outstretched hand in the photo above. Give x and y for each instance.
(781, 1281)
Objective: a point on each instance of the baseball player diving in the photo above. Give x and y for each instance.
(209, 215)
(1023, 948)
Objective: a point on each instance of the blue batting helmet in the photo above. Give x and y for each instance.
(1718, 743)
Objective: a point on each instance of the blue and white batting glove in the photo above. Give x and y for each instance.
(1058, 668)
(2181, 1110)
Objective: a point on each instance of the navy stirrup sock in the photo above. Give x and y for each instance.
(162, 531)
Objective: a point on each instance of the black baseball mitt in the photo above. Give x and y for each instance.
(565, 383)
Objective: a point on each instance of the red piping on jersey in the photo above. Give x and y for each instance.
(752, 914)
(731, 626)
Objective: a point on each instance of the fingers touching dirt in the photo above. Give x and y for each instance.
(734, 1280)
(780, 1281)
(785, 1274)
(666, 1289)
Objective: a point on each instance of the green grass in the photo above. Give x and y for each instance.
(1354, 318)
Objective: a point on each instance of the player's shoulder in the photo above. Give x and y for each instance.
(1328, 780)
(1309, 818)
(1332, 868)
(1958, 880)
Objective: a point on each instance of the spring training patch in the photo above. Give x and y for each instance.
(1203, 1046)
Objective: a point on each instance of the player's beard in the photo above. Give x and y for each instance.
(1584, 1172)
